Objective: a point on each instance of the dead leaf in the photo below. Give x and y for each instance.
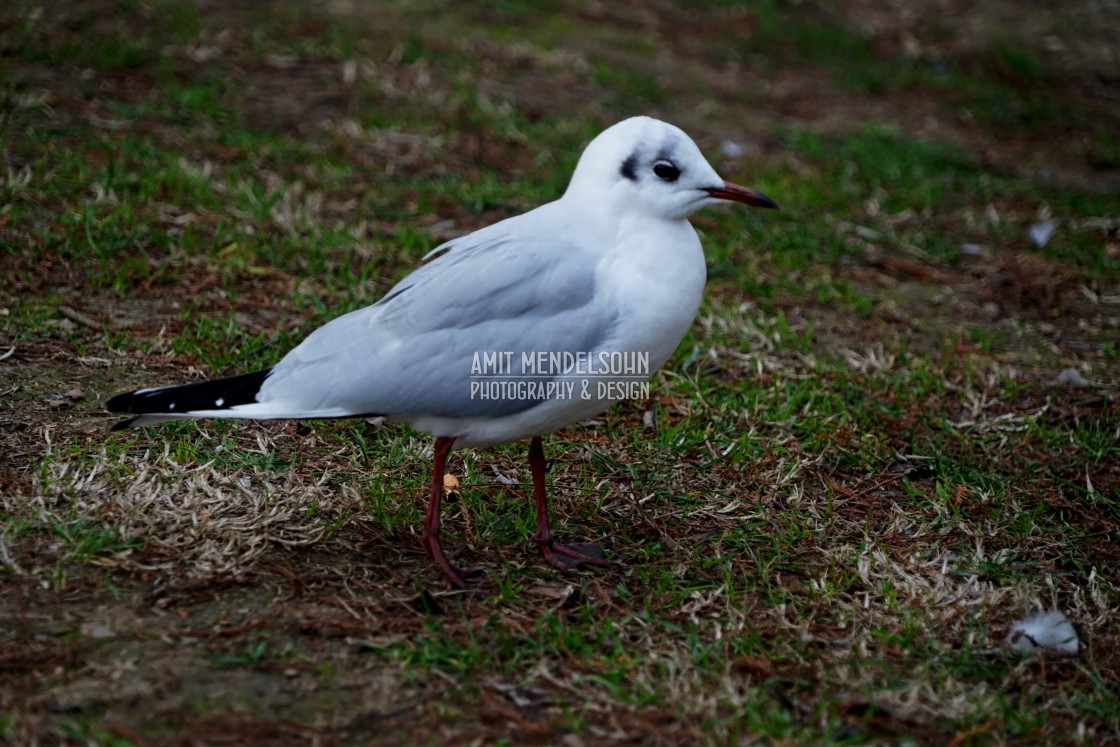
(552, 591)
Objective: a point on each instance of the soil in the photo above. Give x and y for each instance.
(151, 657)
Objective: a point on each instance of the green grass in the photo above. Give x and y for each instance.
(850, 479)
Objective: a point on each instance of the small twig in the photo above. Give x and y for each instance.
(346, 607)
(645, 519)
(7, 353)
(224, 632)
(7, 559)
(77, 316)
(367, 719)
(968, 735)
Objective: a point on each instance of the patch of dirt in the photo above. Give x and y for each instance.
(244, 621)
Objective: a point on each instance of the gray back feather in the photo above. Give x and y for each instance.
(412, 352)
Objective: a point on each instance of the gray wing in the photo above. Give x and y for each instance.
(412, 352)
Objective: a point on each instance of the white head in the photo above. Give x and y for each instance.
(653, 167)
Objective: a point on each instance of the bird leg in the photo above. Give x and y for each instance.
(431, 522)
(561, 556)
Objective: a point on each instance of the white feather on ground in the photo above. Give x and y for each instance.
(1046, 630)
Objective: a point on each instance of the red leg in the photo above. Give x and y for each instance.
(561, 556)
(431, 522)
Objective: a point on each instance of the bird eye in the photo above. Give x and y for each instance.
(666, 170)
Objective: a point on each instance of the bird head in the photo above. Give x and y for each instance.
(643, 164)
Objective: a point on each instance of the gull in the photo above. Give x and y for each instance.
(508, 333)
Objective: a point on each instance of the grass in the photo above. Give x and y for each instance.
(855, 474)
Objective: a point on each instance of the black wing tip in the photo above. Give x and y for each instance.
(182, 399)
(123, 424)
(121, 402)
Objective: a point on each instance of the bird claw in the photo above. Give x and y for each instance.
(435, 552)
(567, 557)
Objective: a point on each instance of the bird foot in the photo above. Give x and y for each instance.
(567, 557)
(435, 552)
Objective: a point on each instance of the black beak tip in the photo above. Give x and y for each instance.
(745, 195)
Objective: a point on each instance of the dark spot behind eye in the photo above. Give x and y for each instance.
(666, 171)
(629, 167)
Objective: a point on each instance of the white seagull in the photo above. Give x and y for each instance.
(611, 271)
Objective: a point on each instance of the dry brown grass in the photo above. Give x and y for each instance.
(858, 473)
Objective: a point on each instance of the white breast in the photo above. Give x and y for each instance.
(652, 279)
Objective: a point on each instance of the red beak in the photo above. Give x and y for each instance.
(745, 195)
